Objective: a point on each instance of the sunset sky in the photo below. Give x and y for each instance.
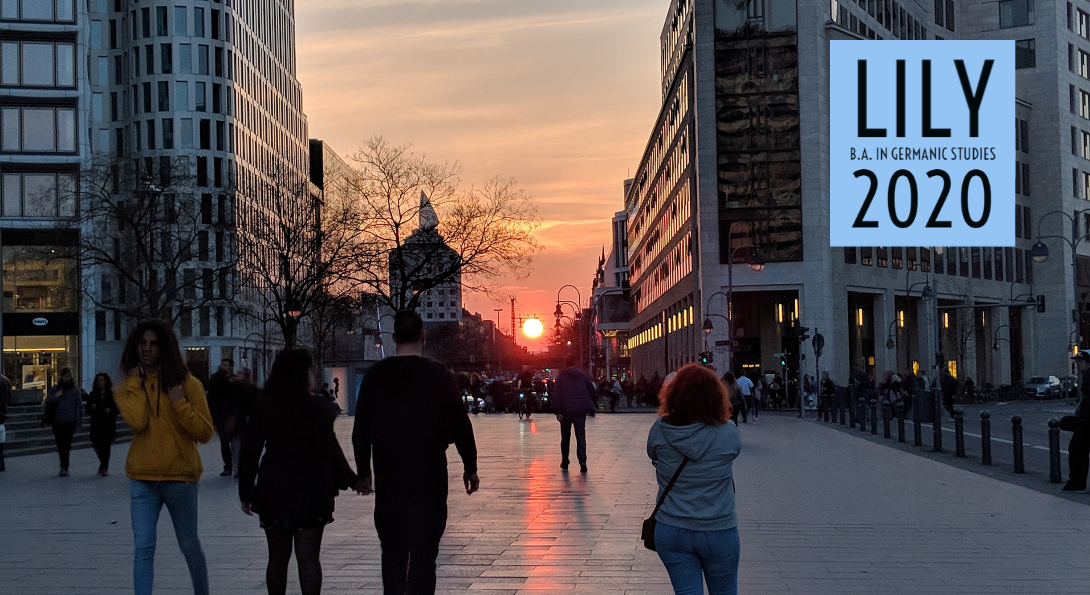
(559, 95)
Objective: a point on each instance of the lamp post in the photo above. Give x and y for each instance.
(1039, 252)
(926, 294)
(499, 366)
(377, 331)
(577, 306)
(996, 338)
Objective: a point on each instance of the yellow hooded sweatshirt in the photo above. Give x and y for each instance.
(164, 444)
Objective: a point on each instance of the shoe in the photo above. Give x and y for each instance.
(1069, 487)
(564, 466)
(64, 472)
(582, 468)
(226, 473)
(105, 473)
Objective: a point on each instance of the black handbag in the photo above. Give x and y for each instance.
(648, 532)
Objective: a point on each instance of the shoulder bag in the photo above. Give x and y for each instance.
(648, 532)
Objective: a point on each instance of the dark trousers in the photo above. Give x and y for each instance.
(410, 526)
(225, 445)
(102, 449)
(579, 420)
(63, 432)
(1078, 456)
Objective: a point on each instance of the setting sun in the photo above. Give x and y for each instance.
(532, 328)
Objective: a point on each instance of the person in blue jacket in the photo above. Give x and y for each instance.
(697, 532)
(573, 400)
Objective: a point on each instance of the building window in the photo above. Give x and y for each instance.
(883, 257)
(38, 130)
(166, 58)
(181, 21)
(168, 133)
(37, 64)
(63, 11)
(1082, 25)
(1015, 13)
(1025, 53)
(849, 256)
(39, 195)
(185, 58)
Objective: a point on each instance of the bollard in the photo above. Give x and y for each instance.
(986, 437)
(917, 420)
(1016, 437)
(862, 414)
(840, 406)
(900, 421)
(937, 425)
(1055, 474)
(959, 431)
(874, 416)
(885, 418)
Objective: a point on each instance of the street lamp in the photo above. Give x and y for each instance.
(295, 309)
(1039, 251)
(890, 342)
(996, 338)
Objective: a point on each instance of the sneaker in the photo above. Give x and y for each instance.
(1069, 487)
(582, 468)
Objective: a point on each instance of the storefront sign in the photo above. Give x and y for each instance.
(922, 143)
(40, 321)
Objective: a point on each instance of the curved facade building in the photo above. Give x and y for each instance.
(203, 96)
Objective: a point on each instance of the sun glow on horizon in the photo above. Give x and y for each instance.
(532, 328)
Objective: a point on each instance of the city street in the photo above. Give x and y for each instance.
(820, 511)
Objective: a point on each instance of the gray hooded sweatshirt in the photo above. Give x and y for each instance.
(703, 497)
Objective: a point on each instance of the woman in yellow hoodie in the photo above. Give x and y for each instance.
(168, 411)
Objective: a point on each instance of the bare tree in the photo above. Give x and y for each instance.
(156, 240)
(298, 248)
(423, 230)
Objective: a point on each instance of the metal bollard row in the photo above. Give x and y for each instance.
(959, 432)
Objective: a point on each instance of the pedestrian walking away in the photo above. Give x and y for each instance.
(65, 404)
(223, 404)
(246, 395)
(1078, 450)
(749, 403)
(5, 399)
(573, 400)
(737, 403)
(409, 409)
(302, 470)
(696, 535)
(103, 412)
(168, 412)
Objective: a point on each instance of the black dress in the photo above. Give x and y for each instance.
(103, 411)
(303, 467)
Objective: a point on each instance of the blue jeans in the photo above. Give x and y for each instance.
(692, 556)
(147, 499)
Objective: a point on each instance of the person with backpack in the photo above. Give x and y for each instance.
(65, 402)
(693, 445)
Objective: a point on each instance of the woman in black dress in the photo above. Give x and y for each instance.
(103, 411)
(300, 474)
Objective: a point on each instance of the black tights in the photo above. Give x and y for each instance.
(308, 546)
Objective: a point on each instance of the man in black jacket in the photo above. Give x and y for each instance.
(573, 399)
(1078, 450)
(223, 404)
(409, 410)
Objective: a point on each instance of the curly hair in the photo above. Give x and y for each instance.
(172, 369)
(694, 396)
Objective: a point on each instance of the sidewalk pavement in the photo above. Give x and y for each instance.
(820, 511)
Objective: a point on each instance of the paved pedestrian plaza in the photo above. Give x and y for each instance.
(820, 511)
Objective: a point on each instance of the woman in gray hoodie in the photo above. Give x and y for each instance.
(697, 532)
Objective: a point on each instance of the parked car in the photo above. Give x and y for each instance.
(1043, 387)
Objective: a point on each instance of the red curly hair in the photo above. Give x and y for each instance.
(695, 395)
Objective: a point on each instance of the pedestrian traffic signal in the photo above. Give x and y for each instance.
(1040, 303)
(783, 361)
(705, 358)
(803, 333)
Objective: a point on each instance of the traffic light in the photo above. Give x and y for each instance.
(1040, 303)
(803, 333)
(705, 358)
(783, 361)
